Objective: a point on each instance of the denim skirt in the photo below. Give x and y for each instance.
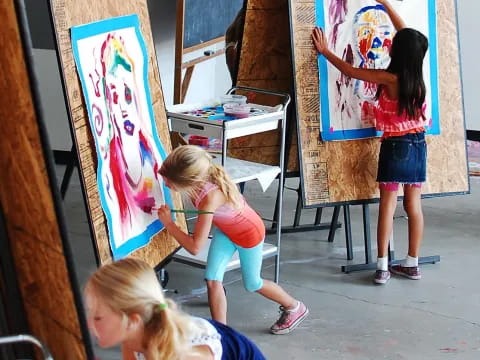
(403, 159)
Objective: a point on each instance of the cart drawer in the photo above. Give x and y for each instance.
(196, 128)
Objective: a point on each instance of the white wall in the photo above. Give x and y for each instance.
(210, 79)
(468, 11)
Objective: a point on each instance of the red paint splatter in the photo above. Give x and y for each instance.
(364, 47)
(387, 43)
(251, 97)
(115, 95)
(116, 158)
(368, 114)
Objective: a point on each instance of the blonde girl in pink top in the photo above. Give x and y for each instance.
(403, 153)
(189, 169)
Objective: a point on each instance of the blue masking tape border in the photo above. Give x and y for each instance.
(101, 27)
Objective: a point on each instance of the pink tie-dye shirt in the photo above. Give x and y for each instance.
(388, 120)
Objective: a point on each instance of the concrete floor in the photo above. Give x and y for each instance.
(437, 317)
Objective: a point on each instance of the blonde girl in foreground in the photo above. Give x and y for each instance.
(126, 307)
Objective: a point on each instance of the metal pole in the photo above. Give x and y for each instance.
(30, 339)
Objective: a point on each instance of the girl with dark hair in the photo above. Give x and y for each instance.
(400, 114)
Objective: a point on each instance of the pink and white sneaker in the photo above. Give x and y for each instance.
(289, 319)
(412, 273)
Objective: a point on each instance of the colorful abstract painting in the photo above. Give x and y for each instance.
(360, 32)
(112, 63)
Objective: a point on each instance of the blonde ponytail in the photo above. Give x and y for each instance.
(167, 334)
(219, 177)
(130, 286)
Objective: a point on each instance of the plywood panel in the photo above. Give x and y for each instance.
(68, 13)
(345, 171)
(265, 63)
(26, 201)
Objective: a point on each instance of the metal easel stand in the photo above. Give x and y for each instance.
(5, 340)
(369, 265)
(296, 226)
(68, 158)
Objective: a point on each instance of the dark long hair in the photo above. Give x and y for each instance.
(407, 53)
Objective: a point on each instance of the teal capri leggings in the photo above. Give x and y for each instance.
(221, 251)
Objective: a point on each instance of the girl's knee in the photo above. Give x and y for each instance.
(214, 284)
(412, 207)
(253, 285)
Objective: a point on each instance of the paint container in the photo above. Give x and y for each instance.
(239, 111)
(239, 99)
(198, 140)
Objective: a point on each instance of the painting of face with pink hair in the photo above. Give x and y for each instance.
(111, 60)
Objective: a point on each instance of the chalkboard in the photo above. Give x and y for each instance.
(206, 20)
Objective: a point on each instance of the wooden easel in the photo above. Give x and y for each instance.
(272, 67)
(181, 84)
(68, 13)
(38, 281)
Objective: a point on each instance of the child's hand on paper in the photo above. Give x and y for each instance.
(319, 40)
(165, 215)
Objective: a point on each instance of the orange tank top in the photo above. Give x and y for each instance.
(243, 226)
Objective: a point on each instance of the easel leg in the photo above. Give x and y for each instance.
(298, 208)
(366, 233)
(334, 223)
(348, 231)
(369, 265)
(297, 227)
(318, 216)
(68, 172)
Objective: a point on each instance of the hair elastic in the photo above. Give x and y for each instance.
(161, 307)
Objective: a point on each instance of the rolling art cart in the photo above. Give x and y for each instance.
(261, 118)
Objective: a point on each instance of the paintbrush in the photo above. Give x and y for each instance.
(187, 211)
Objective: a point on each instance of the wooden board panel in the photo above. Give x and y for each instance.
(345, 171)
(26, 201)
(68, 13)
(265, 63)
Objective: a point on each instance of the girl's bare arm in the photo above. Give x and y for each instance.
(195, 242)
(397, 21)
(370, 75)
